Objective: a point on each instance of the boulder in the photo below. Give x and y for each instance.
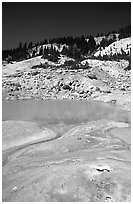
(92, 76)
(55, 82)
(49, 77)
(81, 91)
(66, 87)
(97, 89)
(67, 81)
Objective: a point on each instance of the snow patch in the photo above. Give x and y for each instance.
(57, 47)
(116, 47)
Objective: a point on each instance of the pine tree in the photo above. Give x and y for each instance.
(65, 51)
(76, 54)
(33, 53)
(30, 45)
(20, 47)
(41, 50)
(98, 35)
(53, 54)
(91, 44)
(25, 46)
(45, 41)
(45, 53)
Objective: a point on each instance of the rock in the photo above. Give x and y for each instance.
(107, 91)
(105, 81)
(85, 96)
(98, 89)
(66, 87)
(81, 91)
(34, 73)
(59, 71)
(55, 82)
(67, 81)
(14, 189)
(123, 89)
(48, 77)
(113, 101)
(92, 76)
(16, 88)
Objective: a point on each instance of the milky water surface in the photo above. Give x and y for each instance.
(61, 111)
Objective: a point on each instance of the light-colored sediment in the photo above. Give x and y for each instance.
(88, 163)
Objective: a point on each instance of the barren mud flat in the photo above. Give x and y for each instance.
(65, 151)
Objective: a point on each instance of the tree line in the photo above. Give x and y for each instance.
(77, 47)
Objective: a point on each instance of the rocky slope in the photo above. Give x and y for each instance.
(40, 79)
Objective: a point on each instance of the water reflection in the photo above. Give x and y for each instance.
(61, 111)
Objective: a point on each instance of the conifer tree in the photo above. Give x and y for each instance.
(91, 43)
(41, 50)
(30, 45)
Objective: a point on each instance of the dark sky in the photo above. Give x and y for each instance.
(36, 21)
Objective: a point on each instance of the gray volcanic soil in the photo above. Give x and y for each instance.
(89, 162)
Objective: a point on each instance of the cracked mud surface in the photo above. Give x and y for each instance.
(85, 162)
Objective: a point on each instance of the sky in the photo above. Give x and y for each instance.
(25, 22)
